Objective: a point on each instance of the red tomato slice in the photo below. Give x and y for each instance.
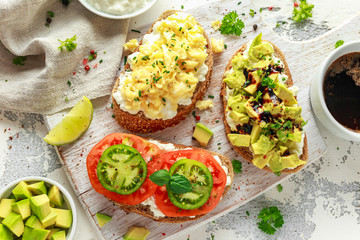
(151, 154)
(219, 181)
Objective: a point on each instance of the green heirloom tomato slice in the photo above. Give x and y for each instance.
(201, 180)
(121, 169)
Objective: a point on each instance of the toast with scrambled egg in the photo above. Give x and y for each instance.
(262, 118)
(164, 78)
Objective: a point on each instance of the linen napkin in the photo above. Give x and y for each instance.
(50, 80)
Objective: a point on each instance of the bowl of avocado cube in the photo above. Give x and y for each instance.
(36, 208)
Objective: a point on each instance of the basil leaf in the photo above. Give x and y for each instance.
(161, 177)
(179, 184)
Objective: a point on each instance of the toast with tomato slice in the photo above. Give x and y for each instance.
(280, 64)
(138, 121)
(151, 200)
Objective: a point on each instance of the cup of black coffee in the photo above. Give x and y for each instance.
(335, 92)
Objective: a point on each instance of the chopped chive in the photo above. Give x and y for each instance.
(193, 113)
(112, 105)
(164, 99)
(100, 61)
(176, 58)
(137, 31)
(113, 116)
(69, 83)
(210, 96)
(225, 46)
(139, 93)
(125, 60)
(182, 6)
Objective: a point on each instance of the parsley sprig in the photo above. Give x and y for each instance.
(303, 11)
(339, 43)
(268, 82)
(19, 60)
(69, 44)
(237, 166)
(231, 24)
(271, 218)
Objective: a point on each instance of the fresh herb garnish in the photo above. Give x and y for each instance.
(303, 11)
(247, 213)
(268, 82)
(339, 43)
(69, 44)
(252, 12)
(19, 60)
(69, 83)
(137, 31)
(237, 166)
(271, 219)
(279, 187)
(231, 24)
(258, 95)
(210, 96)
(177, 183)
(278, 173)
(50, 14)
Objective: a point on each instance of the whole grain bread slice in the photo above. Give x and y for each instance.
(245, 152)
(138, 123)
(145, 210)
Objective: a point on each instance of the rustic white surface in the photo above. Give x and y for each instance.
(301, 57)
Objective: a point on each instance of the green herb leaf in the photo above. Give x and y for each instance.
(268, 82)
(50, 14)
(339, 43)
(19, 60)
(237, 166)
(69, 44)
(278, 173)
(303, 11)
(179, 184)
(271, 218)
(279, 187)
(247, 213)
(161, 177)
(231, 24)
(252, 12)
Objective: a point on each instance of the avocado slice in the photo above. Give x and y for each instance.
(40, 206)
(250, 110)
(61, 235)
(5, 207)
(202, 134)
(35, 234)
(5, 233)
(262, 49)
(21, 191)
(49, 219)
(52, 232)
(22, 207)
(255, 82)
(257, 40)
(237, 103)
(55, 196)
(285, 94)
(38, 188)
(275, 162)
(261, 160)
(239, 140)
(34, 222)
(136, 233)
(262, 146)
(239, 117)
(291, 161)
(235, 80)
(239, 62)
(255, 132)
(64, 218)
(14, 223)
(292, 112)
(296, 136)
(102, 219)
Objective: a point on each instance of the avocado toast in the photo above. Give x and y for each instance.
(172, 75)
(262, 118)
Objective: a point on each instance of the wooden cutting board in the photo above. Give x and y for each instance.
(304, 59)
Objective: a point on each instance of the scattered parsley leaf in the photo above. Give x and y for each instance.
(303, 11)
(69, 44)
(339, 43)
(231, 24)
(268, 82)
(19, 60)
(50, 14)
(239, 3)
(69, 83)
(277, 173)
(271, 219)
(279, 187)
(66, 99)
(182, 6)
(260, 10)
(258, 95)
(247, 213)
(252, 12)
(237, 166)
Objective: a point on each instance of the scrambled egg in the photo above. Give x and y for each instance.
(217, 45)
(201, 105)
(216, 25)
(165, 71)
(131, 45)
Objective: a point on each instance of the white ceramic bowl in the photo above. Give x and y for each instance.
(317, 94)
(135, 13)
(69, 202)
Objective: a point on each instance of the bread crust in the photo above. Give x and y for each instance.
(245, 151)
(145, 210)
(138, 123)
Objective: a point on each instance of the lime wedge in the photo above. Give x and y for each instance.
(73, 125)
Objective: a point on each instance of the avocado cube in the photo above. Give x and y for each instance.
(255, 80)
(291, 161)
(5, 207)
(293, 112)
(38, 188)
(202, 134)
(239, 117)
(34, 222)
(239, 140)
(35, 234)
(255, 132)
(61, 235)
(49, 219)
(40, 206)
(262, 146)
(102, 219)
(237, 103)
(285, 94)
(21, 191)
(52, 232)
(235, 80)
(64, 218)
(136, 233)
(55, 196)
(275, 163)
(22, 207)
(14, 223)
(262, 49)
(5, 233)
(261, 160)
(251, 111)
